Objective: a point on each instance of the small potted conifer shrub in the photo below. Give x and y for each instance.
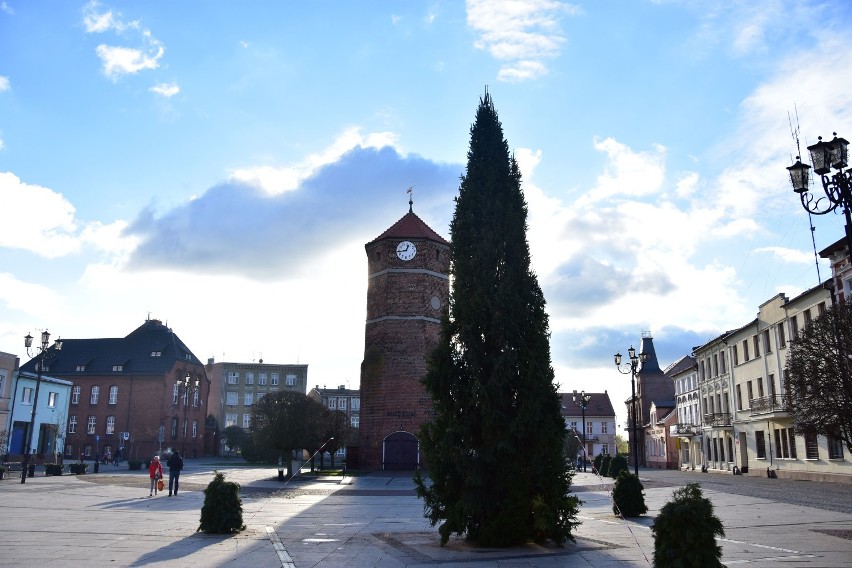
(596, 463)
(604, 469)
(617, 464)
(685, 531)
(222, 512)
(628, 496)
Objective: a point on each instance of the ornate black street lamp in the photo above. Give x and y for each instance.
(633, 371)
(186, 385)
(28, 343)
(837, 187)
(582, 400)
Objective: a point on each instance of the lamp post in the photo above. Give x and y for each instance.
(186, 384)
(837, 187)
(632, 371)
(582, 400)
(42, 353)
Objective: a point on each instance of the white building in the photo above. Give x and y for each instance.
(51, 415)
(599, 427)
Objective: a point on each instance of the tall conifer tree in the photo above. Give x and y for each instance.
(497, 472)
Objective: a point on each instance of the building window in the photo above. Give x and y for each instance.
(341, 403)
(273, 380)
(90, 425)
(156, 353)
(794, 328)
(354, 421)
(196, 394)
(291, 380)
(96, 391)
(739, 397)
(27, 396)
(807, 314)
(87, 450)
(51, 399)
(745, 350)
(195, 428)
(589, 429)
(118, 368)
(230, 420)
(231, 399)
(234, 378)
(72, 424)
(246, 421)
(760, 443)
(248, 399)
(249, 378)
(113, 394)
(811, 447)
(767, 348)
(81, 368)
(174, 429)
(736, 356)
(69, 450)
(835, 448)
(756, 341)
(175, 393)
(604, 428)
(782, 341)
(110, 424)
(332, 402)
(722, 368)
(730, 449)
(261, 379)
(604, 448)
(356, 403)
(715, 364)
(821, 308)
(759, 387)
(750, 393)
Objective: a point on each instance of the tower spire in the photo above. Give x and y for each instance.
(410, 193)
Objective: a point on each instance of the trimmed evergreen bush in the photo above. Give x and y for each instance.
(78, 468)
(53, 469)
(685, 531)
(604, 469)
(134, 464)
(628, 496)
(617, 464)
(222, 512)
(596, 463)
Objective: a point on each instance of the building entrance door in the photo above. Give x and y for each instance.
(401, 451)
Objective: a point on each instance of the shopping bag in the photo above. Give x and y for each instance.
(160, 485)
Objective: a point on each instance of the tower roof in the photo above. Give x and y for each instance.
(410, 227)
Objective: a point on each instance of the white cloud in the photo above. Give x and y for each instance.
(4, 7)
(126, 60)
(4, 84)
(37, 219)
(121, 60)
(788, 255)
(278, 179)
(519, 34)
(18, 295)
(165, 89)
(96, 20)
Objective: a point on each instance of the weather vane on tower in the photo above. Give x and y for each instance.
(410, 192)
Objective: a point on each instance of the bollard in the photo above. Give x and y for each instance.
(97, 466)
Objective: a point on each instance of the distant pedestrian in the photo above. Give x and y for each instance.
(117, 457)
(175, 464)
(155, 472)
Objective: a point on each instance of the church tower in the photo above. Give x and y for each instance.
(408, 291)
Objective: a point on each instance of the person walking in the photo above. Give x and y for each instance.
(155, 472)
(175, 464)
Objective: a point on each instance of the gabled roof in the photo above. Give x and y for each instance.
(599, 405)
(133, 353)
(683, 364)
(410, 227)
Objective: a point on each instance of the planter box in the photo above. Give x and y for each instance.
(53, 469)
(134, 464)
(78, 468)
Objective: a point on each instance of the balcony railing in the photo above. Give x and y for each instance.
(769, 404)
(686, 430)
(717, 419)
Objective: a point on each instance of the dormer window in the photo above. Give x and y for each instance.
(118, 368)
(81, 368)
(156, 353)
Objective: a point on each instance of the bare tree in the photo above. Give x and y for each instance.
(819, 376)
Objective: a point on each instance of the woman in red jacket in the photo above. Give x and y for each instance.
(155, 472)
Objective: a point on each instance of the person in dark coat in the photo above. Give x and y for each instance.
(175, 464)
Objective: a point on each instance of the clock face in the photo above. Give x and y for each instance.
(406, 250)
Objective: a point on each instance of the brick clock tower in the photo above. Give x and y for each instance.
(408, 290)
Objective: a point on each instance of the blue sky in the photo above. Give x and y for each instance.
(221, 166)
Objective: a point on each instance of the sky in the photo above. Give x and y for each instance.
(221, 166)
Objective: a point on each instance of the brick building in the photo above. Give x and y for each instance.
(408, 290)
(125, 393)
(344, 400)
(651, 384)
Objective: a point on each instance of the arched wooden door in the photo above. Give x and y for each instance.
(401, 451)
